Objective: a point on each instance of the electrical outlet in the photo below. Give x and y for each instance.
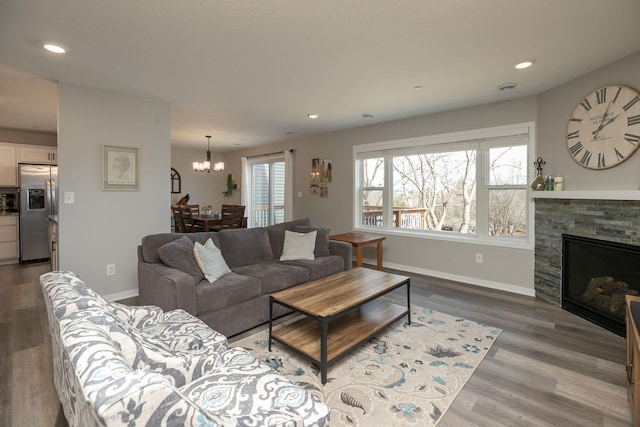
(111, 269)
(479, 258)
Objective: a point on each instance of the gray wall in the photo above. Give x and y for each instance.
(555, 108)
(507, 269)
(201, 187)
(105, 227)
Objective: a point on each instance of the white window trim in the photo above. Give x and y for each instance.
(380, 149)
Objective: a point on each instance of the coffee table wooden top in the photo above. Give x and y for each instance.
(348, 289)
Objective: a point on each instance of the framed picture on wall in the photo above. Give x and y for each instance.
(120, 168)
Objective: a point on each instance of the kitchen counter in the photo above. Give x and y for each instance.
(7, 213)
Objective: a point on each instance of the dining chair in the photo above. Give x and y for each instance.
(177, 219)
(195, 209)
(187, 219)
(232, 216)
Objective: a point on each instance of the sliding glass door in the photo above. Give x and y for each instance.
(267, 195)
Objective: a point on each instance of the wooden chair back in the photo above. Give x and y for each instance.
(232, 216)
(187, 219)
(195, 209)
(177, 219)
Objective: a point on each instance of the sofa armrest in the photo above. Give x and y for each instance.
(166, 287)
(343, 249)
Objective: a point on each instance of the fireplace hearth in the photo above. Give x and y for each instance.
(596, 277)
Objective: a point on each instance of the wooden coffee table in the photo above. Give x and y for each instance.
(340, 312)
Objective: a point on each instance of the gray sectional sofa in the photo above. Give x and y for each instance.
(170, 278)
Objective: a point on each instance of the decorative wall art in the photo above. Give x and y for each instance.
(176, 182)
(320, 175)
(120, 168)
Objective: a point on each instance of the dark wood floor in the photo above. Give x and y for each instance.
(548, 367)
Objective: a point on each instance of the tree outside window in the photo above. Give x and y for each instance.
(441, 187)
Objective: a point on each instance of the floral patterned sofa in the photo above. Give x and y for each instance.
(116, 365)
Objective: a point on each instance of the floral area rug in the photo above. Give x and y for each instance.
(406, 375)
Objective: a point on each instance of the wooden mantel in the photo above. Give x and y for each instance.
(592, 195)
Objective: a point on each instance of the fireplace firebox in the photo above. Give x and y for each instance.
(596, 277)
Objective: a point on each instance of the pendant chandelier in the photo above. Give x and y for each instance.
(206, 166)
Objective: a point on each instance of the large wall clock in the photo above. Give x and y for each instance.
(604, 129)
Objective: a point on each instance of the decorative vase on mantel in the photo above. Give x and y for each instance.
(538, 184)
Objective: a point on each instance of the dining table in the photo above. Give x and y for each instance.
(207, 222)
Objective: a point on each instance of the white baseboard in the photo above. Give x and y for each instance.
(121, 295)
(530, 292)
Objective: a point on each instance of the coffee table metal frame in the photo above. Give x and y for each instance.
(369, 310)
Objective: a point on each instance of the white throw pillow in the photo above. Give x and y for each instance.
(298, 245)
(210, 260)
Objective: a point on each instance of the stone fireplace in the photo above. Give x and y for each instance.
(591, 217)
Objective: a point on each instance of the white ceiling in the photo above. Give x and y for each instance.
(248, 71)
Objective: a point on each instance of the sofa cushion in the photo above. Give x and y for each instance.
(276, 401)
(275, 275)
(210, 260)
(178, 254)
(322, 239)
(228, 291)
(298, 245)
(320, 266)
(245, 246)
(276, 234)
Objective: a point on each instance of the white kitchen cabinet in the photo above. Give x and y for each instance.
(8, 167)
(37, 154)
(9, 242)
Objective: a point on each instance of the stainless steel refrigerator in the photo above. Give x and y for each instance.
(38, 200)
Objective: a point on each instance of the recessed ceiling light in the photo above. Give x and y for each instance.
(54, 47)
(525, 63)
(367, 115)
(417, 88)
(505, 87)
(313, 116)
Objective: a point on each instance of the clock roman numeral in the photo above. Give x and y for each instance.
(633, 139)
(586, 157)
(633, 120)
(571, 135)
(618, 154)
(586, 105)
(601, 95)
(615, 98)
(601, 163)
(630, 103)
(576, 148)
(573, 119)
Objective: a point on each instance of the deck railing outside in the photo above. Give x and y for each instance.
(410, 218)
(261, 215)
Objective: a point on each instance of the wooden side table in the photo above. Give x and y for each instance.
(358, 240)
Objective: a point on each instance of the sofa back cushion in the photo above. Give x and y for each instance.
(245, 246)
(153, 242)
(276, 234)
(178, 254)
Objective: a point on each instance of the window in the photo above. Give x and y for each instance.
(463, 185)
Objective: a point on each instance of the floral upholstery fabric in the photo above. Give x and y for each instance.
(116, 365)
